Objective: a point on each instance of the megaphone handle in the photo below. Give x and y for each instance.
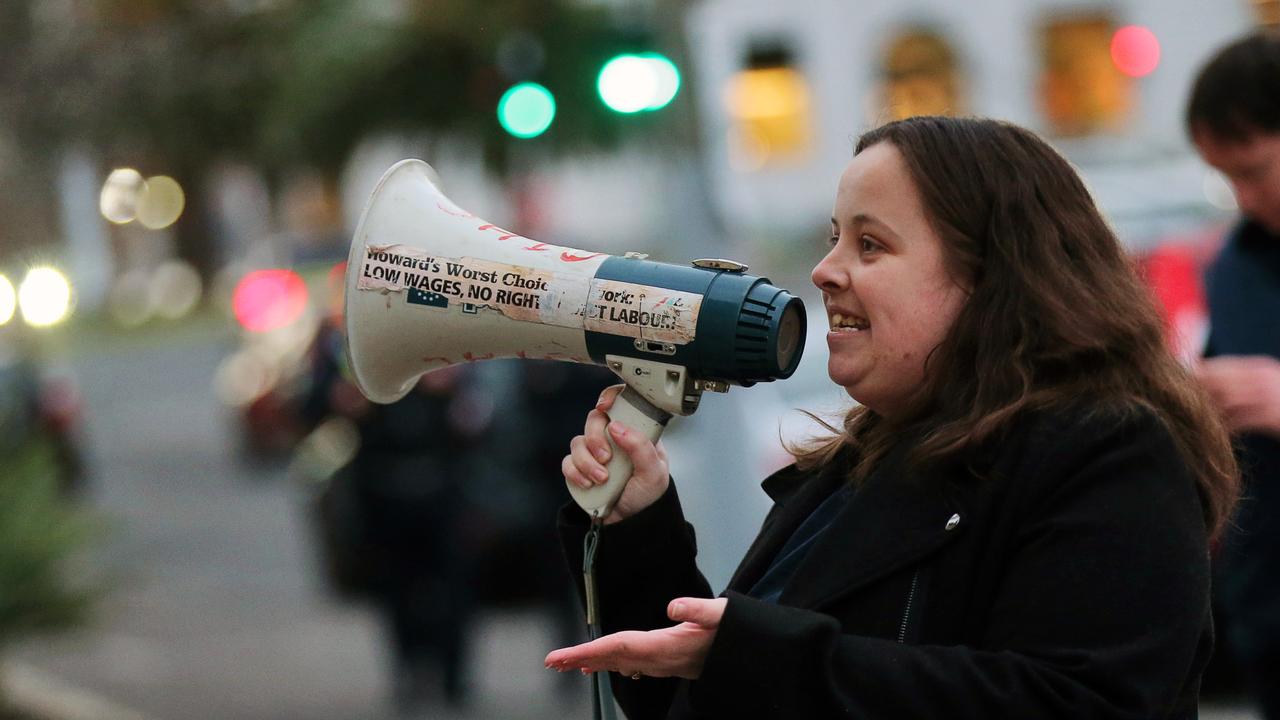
(633, 410)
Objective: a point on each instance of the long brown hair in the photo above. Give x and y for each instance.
(1056, 311)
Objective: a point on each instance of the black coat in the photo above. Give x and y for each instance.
(1067, 578)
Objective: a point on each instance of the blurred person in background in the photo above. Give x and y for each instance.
(555, 395)
(1233, 117)
(1013, 522)
(416, 531)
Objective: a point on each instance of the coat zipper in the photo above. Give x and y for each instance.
(906, 615)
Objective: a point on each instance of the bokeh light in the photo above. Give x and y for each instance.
(633, 83)
(175, 289)
(266, 300)
(526, 110)
(8, 300)
(44, 297)
(242, 378)
(118, 201)
(1218, 191)
(1135, 50)
(161, 202)
(627, 84)
(667, 80)
(130, 299)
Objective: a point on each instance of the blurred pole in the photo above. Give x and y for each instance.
(704, 223)
(695, 222)
(89, 260)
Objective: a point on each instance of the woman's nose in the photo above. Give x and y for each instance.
(827, 274)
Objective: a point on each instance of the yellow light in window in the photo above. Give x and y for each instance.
(772, 112)
(1082, 91)
(920, 77)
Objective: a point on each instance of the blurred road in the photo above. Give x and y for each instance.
(217, 611)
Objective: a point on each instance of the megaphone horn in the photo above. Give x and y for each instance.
(430, 285)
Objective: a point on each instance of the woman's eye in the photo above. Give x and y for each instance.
(867, 244)
(831, 241)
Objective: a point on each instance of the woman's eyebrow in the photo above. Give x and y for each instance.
(867, 219)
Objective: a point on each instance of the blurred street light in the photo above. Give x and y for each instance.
(175, 289)
(632, 83)
(161, 202)
(44, 297)
(266, 300)
(8, 300)
(118, 201)
(1135, 50)
(526, 110)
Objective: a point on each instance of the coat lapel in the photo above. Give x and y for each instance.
(895, 519)
(794, 495)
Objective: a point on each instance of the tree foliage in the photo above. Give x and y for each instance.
(290, 83)
(40, 536)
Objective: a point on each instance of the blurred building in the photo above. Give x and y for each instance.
(787, 88)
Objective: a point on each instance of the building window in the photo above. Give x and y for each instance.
(771, 110)
(920, 77)
(1267, 12)
(1082, 92)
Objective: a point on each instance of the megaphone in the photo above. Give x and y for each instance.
(429, 285)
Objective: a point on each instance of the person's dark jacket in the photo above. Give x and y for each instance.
(1070, 580)
(1243, 286)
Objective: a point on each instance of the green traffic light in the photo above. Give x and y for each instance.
(667, 76)
(641, 82)
(526, 110)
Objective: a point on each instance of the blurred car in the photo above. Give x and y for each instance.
(265, 379)
(40, 411)
(40, 406)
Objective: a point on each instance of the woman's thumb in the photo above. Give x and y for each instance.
(696, 610)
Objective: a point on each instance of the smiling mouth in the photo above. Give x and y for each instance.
(848, 323)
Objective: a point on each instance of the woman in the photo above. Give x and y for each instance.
(1015, 520)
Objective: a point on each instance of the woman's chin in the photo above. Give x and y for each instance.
(845, 379)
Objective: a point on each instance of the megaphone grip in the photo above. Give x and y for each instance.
(633, 410)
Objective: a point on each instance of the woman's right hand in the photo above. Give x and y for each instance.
(589, 453)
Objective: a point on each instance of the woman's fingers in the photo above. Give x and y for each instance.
(644, 456)
(675, 651)
(572, 474)
(608, 396)
(585, 462)
(623, 650)
(594, 434)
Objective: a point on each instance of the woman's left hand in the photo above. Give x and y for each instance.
(676, 651)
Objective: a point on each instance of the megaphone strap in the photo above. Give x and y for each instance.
(601, 692)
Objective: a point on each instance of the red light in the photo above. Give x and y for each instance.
(1135, 50)
(267, 300)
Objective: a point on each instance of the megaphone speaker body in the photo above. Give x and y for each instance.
(429, 285)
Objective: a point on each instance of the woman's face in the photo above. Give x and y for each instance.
(889, 298)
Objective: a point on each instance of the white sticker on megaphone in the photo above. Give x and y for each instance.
(642, 311)
(532, 294)
(518, 292)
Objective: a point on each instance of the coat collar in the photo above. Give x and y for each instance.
(896, 518)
